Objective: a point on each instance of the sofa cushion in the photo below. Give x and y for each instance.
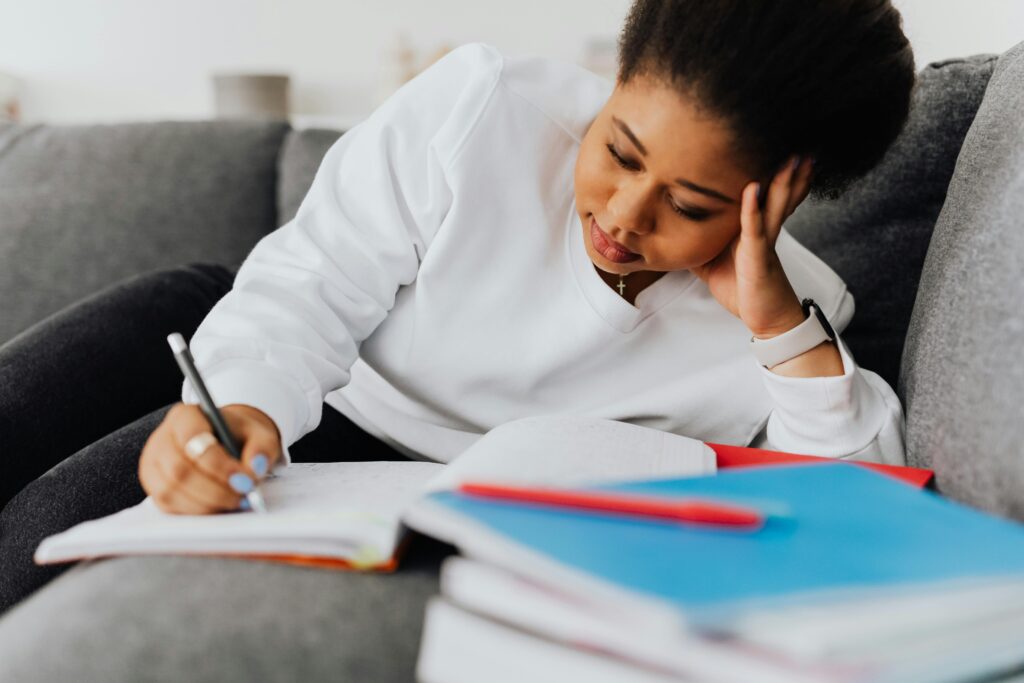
(962, 378)
(84, 206)
(876, 235)
(213, 619)
(301, 155)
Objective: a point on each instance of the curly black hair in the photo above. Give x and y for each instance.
(826, 78)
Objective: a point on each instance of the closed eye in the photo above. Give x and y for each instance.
(620, 160)
(692, 214)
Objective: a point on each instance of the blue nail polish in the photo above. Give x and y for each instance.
(259, 464)
(240, 482)
(244, 505)
(796, 162)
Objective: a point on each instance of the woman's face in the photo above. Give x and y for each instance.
(674, 198)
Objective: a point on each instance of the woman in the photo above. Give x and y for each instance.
(430, 288)
(509, 236)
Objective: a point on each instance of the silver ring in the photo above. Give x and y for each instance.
(199, 444)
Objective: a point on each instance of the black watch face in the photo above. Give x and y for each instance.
(807, 303)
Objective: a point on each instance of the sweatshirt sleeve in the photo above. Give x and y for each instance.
(855, 416)
(310, 292)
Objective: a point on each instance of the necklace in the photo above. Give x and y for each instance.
(621, 286)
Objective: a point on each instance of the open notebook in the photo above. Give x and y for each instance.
(351, 514)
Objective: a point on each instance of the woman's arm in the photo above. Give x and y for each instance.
(311, 292)
(823, 403)
(853, 416)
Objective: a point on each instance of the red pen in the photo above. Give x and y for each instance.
(686, 510)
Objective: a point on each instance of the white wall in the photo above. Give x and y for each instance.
(956, 28)
(110, 60)
(100, 60)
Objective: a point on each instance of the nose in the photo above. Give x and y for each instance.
(628, 210)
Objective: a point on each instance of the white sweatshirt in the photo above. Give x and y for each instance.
(434, 285)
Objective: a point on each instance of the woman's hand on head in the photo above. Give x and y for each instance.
(747, 277)
(213, 481)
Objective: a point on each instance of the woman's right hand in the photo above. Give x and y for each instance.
(214, 481)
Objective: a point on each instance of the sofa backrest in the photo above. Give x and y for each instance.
(301, 155)
(962, 378)
(82, 207)
(876, 235)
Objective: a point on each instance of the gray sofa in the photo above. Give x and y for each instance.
(931, 244)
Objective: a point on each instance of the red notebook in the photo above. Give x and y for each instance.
(741, 456)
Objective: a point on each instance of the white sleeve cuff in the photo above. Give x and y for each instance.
(247, 383)
(829, 416)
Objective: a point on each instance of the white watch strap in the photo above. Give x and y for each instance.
(800, 339)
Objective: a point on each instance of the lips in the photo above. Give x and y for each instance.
(609, 248)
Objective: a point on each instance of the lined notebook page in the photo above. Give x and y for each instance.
(571, 450)
(348, 510)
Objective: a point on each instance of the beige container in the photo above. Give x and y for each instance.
(251, 96)
(10, 88)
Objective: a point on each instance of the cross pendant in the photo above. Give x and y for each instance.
(621, 286)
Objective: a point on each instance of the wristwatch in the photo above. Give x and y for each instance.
(800, 339)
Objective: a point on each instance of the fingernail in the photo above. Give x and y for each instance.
(796, 162)
(760, 187)
(259, 464)
(244, 504)
(240, 482)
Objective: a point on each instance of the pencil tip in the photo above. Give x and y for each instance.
(255, 498)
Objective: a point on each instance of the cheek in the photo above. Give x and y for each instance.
(721, 236)
(589, 178)
(701, 243)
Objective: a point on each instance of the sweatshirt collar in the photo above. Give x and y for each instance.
(605, 301)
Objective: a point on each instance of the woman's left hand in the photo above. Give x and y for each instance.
(747, 277)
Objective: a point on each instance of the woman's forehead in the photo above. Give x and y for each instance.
(672, 129)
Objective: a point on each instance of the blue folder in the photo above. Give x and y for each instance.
(846, 528)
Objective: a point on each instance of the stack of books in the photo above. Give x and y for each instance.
(852, 576)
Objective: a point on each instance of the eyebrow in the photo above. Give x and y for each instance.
(679, 181)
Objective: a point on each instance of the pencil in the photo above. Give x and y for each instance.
(220, 427)
(685, 510)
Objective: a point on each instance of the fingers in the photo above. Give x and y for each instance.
(206, 479)
(222, 473)
(751, 220)
(800, 186)
(261, 445)
(779, 196)
(788, 188)
(210, 481)
(167, 496)
(214, 479)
